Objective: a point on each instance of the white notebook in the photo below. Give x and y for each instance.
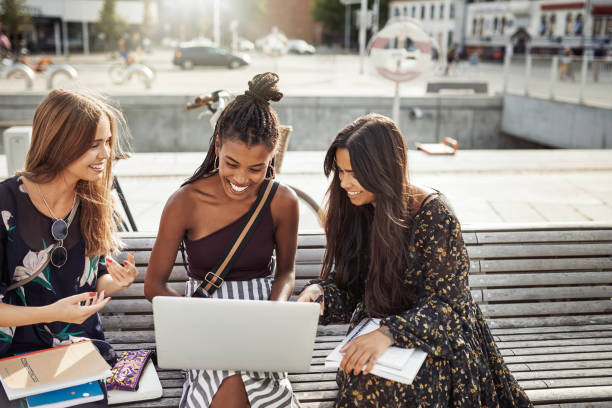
(396, 364)
(149, 387)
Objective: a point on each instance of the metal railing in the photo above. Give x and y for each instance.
(582, 79)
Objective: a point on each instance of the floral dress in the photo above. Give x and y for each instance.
(464, 367)
(25, 236)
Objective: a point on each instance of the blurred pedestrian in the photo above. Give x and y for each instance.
(598, 60)
(566, 69)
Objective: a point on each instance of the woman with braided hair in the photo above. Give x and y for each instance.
(207, 213)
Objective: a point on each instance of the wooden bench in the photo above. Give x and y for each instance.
(546, 292)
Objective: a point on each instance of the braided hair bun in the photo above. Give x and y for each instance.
(249, 119)
(263, 88)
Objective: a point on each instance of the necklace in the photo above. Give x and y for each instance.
(47, 205)
(59, 231)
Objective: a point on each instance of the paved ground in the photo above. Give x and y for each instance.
(484, 186)
(315, 75)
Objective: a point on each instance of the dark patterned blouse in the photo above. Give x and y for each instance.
(25, 236)
(464, 367)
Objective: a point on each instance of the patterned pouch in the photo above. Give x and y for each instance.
(126, 373)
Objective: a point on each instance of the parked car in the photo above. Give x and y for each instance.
(245, 45)
(188, 57)
(300, 47)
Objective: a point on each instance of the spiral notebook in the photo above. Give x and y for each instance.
(396, 364)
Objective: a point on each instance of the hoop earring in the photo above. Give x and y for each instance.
(270, 172)
(216, 163)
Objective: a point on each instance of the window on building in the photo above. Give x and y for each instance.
(413, 11)
(422, 12)
(597, 24)
(578, 25)
(568, 23)
(495, 23)
(503, 25)
(608, 26)
(452, 11)
(405, 11)
(480, 26)
(441, 13)
(552, 27)
(474, 27)
(432, 11)
(396, 11)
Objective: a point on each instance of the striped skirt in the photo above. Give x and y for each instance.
(264, 389)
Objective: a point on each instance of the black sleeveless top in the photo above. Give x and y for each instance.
(255, 260)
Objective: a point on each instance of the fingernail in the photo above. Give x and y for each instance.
(109, 260)
(93, 293)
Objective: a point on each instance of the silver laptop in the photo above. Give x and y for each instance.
(231, 334)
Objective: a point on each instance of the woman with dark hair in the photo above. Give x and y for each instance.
(58, 226)
(207, 212)
(395, 252)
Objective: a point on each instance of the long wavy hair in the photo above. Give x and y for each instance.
(63, 129)
(370, 238)
(248, 118)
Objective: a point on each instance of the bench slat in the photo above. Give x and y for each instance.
(538, 250)
(540, 279)
(546, 308)
(569, 394)
(547, 321)
(553, 336)
(543, 236)
(571, 292)
(562, 264)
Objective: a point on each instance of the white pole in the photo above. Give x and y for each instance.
(553, 75)
(527, 73)
(362, 34)
(396, 105)
(216, 23)
(583, 77)
(444, 59)
(507, 59)
(85, 37)
(56, 38)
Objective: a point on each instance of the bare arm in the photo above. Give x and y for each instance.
(171, 231)
(72, 309)
(285, 212)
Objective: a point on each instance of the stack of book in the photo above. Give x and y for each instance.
(59, 377)
(396, 364)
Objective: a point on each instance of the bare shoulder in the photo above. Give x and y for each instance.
(285, 196)
(285, 203)
(188, 196)
(421, 195)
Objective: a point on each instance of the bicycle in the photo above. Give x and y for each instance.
(122, 71)
(216, 101)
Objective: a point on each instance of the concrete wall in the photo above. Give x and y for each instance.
(160, 123)
(557, 124)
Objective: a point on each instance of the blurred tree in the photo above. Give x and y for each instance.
(331, 14)
(13, 16)
(111, 24)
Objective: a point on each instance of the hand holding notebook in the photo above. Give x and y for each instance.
(395, 363)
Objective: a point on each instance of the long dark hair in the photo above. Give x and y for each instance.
(370, 239)
(248, 118)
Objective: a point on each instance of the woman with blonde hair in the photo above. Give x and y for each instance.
(58, 226)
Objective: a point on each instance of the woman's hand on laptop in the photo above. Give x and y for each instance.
(313, 293)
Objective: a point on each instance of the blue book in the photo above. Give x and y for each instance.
(67, 397)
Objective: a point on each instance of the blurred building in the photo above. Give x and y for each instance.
(435, 20)
(542, 26)
(63, 26)
(293, 18)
